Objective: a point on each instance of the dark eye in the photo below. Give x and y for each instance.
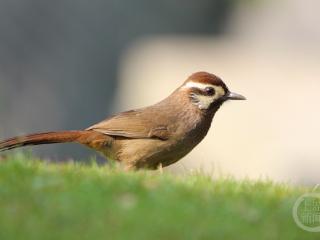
(209, 91)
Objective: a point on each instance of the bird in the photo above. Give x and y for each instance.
(149, 137)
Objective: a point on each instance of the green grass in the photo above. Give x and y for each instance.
(70, 201)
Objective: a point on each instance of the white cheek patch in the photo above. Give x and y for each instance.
(202, 101)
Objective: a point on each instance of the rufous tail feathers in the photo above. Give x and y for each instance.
(45, 138)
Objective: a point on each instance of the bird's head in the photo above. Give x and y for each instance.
(207, 91)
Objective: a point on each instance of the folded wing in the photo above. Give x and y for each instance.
(133, 124)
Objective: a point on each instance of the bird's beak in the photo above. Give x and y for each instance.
(234, 96)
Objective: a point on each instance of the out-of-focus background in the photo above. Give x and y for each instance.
(68, 64)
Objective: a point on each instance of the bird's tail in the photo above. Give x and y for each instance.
(45, 138)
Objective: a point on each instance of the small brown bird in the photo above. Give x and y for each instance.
(160, 134)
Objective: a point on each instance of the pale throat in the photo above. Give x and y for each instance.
(203, 102)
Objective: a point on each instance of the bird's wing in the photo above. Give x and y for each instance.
(133, 124)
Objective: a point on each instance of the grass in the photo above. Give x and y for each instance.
(40, 200)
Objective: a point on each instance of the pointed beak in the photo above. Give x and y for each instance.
(234, 96)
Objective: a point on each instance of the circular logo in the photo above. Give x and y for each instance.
(306, 212)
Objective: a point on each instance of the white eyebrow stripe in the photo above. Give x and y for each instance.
(196, 85)
(219, 90)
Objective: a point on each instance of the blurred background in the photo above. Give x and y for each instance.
(68, 64)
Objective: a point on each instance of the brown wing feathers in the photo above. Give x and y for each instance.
(133, 124)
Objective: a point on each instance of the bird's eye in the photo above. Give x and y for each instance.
(210, 91)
